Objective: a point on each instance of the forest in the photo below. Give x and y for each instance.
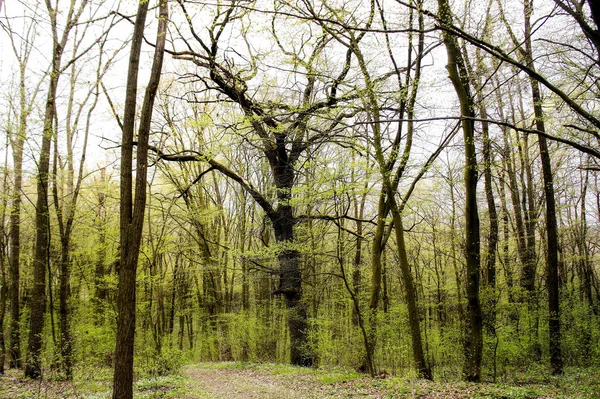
(391, 187)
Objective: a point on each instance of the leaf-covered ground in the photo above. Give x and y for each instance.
(265, 381)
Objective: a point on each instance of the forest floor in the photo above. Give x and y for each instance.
(267, 381)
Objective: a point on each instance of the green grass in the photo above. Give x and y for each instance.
(334, 377)
(88, 384)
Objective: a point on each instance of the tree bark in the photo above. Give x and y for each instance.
(290, 278)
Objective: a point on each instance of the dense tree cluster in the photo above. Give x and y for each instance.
(408, 186)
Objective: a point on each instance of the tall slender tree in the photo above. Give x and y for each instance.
(552, 282)
(132, 208)
(20, 109)
(33, 368)
(460, 80)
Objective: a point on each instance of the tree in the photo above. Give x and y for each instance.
(100, 290)
(460, 80)
(552, 282)
(33, 365)
(21, 109)
(3, 261)
(391, 179)
(132, 208)
(476, 75)
(78, 112)
(282, 131)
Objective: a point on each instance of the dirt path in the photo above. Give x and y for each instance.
(238, 381)
(208, 383)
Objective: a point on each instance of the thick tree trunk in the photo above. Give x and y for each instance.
(377, 248)
(290, 286)
(129, 247)
(552, 282)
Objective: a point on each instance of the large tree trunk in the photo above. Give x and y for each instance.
(377, 248)
(290, 285)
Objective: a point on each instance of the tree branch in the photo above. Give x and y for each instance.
(196, 156)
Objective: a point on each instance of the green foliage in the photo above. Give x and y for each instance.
(243, 337)
(247, 336)
(393, 349)
(580, 335)
(333, 177)
(95, 345)
(153, 363)
(337, 344)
